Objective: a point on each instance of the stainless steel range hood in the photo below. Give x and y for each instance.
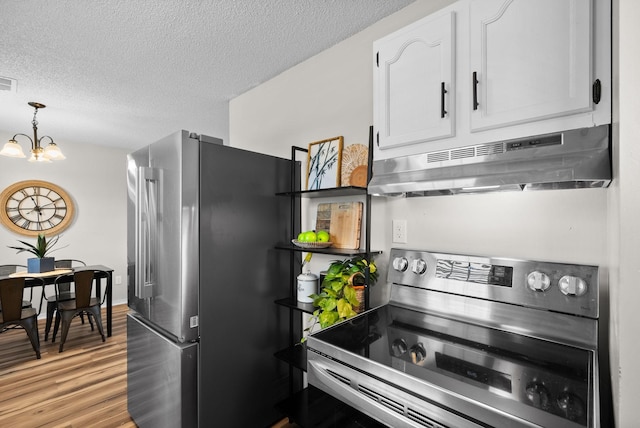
(567, 160)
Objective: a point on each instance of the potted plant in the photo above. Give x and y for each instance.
(40, 263)
(338, 299)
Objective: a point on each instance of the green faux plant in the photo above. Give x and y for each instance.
(42, 247)
(337, 299)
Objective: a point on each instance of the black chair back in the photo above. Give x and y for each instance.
(81, 303)
(67, 264)
(14, 314)
(11, 290)
(83, 285)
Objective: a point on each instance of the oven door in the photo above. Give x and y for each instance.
(379, 400)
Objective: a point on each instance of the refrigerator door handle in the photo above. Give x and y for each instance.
(148, 216)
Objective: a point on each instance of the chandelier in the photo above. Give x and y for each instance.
(38, 154)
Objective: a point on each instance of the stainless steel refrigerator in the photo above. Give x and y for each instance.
(203, 274)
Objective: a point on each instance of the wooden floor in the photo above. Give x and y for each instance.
(84, 386)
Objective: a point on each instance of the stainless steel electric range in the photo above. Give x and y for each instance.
(471, 341)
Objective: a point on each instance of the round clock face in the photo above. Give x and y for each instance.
(32, 207)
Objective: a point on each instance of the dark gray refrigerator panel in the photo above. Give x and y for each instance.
(241, 275)
(161, 378)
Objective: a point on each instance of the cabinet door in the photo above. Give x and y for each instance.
(531, 59)
(414, 84)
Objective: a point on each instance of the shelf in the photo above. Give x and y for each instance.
(294, 355)
(294, 304)
(332, 251)
(310, 407)
(328, 193)
(313, 408)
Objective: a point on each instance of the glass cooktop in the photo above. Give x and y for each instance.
(473, 360)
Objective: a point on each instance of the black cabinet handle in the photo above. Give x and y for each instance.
(596, 91)
(475, 90)
(442, 92)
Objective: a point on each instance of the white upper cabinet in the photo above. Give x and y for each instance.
(540, 67)
(531, 59)
(413, 82)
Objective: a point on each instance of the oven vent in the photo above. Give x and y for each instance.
(399, 408)
(339, 377)
(437, 157)
(422, 419)
(385, 401)
(465, 152)
(394, 405)
(489, 149)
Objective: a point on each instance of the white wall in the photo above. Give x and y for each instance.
(624, 210)
(95, 177)
(328, 95)
(331, 94)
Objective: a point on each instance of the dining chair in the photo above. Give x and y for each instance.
(65, 294)
(83, 303)
(14, 315)
(6, 270)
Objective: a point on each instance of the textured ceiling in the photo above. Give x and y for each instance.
(125, 73)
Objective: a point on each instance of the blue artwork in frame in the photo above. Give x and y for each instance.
(324, 162)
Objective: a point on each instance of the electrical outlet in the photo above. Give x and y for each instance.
(399, 231)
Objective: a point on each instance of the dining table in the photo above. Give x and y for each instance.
(47, 278)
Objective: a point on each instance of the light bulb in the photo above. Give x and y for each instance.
(13, 150)
(53, 152)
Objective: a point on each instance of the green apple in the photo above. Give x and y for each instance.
(301, 236)
(323, 236)
(310, 236)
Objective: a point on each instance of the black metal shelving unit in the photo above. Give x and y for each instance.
(300, 405)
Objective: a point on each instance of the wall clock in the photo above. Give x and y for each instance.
(32, 207)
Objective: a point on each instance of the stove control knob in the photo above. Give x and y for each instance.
(571, 407)
(538, 395)
(400, 264)
(538, 281)
(418, 353)
(419, 266)
(398, 347)
(572, 285)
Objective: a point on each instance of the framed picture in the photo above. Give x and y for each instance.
(324, 163)
(355, 158)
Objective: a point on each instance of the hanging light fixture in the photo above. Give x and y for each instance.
(38, 154)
